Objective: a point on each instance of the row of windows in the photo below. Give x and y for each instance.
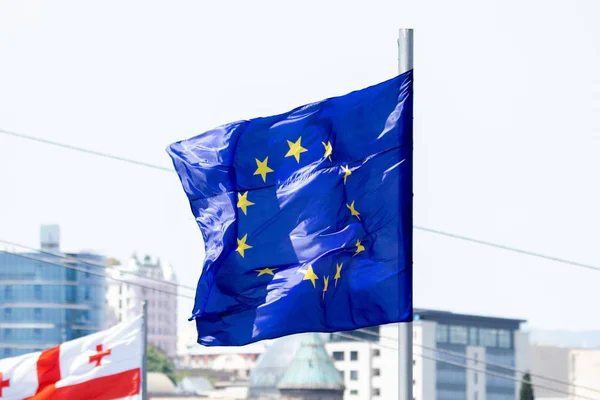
(14, 267)
(340, 355)
(455, 334)
(52, 293)
(445, 394)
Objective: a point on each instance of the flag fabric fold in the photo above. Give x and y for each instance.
(102, 366)
(306, 217)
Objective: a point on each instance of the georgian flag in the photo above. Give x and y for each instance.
(103, 366)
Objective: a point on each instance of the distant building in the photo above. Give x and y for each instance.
(237, 360)
(311, 374)
(295, 367)
(125, 297)
(571, 373)
(371, 371)
(43, 304)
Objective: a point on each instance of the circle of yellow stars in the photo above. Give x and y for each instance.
(262, 169)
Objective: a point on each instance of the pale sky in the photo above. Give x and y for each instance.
(507, 128)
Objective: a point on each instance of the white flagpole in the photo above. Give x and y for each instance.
(145, 350)
(405, 330)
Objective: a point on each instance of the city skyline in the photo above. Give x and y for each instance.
(509, 161)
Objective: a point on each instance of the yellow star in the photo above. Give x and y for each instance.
(328, 150)
(309, 275)
(326, 280)
(295, 149)
(338, 273)
(353, 211)
(266, 271)
(243, 202)
(347, 173)
(263, 169)
(242, 246)
(359, 247)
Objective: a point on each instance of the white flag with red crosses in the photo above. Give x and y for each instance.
(103, 366)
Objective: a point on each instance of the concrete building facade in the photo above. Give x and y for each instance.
(450, 356)
(125, 298)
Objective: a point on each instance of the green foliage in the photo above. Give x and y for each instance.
(526, 388)
(159, 362)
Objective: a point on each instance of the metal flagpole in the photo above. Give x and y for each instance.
(405, 330)
(145, 350)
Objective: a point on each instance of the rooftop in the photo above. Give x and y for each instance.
(311, 368)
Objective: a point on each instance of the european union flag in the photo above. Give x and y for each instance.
(306, 217)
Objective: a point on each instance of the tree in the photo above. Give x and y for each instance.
(526, 388)
(159, 362)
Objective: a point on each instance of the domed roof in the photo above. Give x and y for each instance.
(272, 365)
(312, 368)
(282, 363)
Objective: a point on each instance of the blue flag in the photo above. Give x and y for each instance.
(306, 217)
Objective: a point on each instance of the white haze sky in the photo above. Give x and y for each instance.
(507, 128)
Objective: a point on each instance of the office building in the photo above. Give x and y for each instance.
(46, 299)
(150, 281)
(451, 356)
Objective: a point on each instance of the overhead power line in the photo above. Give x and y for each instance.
(483, 371)
(421, 228)
(88, 271)
(508, 248)
(87, 262)
(453, 353)
(85, 270)
(84, 150)
(504, 377)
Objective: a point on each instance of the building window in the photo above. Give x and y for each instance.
(353, 375)
(354, 356)
(37, 313)
(475, 379)
(476, 396)
(504, 339)
(37, 333)
(376, 372)
(487, 337)
(7, 313)
(376, 392)
(342, 375)
(441, 333)
(473, 336)
(37, 292)
(354, 392)
(8, 292)
(338, 355)
(7, 352)
(8, 333)
(376, 353)
(87, 293)
(458, 335)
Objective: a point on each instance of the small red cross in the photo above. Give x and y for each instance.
(3, 384)
(97, 358)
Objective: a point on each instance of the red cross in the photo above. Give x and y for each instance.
(3, 384)
(97, 358)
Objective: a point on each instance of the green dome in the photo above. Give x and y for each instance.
(282, 364)
(311, 368)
